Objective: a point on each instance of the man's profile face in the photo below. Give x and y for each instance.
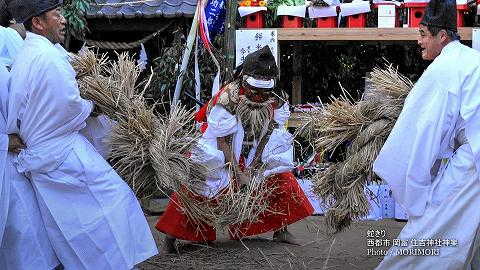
(52, 25)
(431, 45)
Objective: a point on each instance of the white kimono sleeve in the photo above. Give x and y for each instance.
(98, 132)
(45, 109)
(470, 112)
(278, 152)
(220, 124)
(415, 142)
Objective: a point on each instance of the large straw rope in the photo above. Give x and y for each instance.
(356, 131)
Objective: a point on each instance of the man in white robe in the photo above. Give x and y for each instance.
(439, 127)
(24, 243)
(92, 217)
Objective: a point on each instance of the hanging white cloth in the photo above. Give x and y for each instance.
(198, 83)
(92, 217)
(24, 244)
(142, 58)
(443, 104)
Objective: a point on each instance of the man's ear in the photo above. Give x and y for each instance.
(38, 24)
(443, 36)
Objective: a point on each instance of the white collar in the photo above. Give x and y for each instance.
(36, 37)
(450, 46)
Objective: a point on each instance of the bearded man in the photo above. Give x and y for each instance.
(245, 128)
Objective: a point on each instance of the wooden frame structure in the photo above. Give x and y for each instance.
(357, 34)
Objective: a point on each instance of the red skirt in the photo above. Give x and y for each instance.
(289, 204)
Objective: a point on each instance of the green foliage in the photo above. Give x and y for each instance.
(273, 4)
(167, 70)
(74, 12)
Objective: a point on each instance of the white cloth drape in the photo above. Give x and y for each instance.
(92, 217)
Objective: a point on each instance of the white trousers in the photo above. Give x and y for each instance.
(452, 213)
(25, 245)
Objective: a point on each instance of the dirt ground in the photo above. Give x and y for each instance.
(344, 251)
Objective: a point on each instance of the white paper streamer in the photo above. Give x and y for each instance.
(143, 58)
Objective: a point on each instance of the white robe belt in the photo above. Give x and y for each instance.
(46, 156)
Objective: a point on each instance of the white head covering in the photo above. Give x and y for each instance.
(10, 44)
(269, 84)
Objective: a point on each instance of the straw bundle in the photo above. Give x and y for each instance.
(232, 206)
(151, 152)
(130, 142)
(174, 138)
(87, 62)
(362, 127)
(113, 87)
(110, 85)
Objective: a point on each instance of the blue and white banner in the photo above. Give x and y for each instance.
(215, 14)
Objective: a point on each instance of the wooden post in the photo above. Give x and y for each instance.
(297, 74)
(229, 45)
(68, 38)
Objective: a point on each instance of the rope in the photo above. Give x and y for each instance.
(124, 3)
(109, 45)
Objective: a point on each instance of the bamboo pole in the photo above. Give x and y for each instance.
(186, 56)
